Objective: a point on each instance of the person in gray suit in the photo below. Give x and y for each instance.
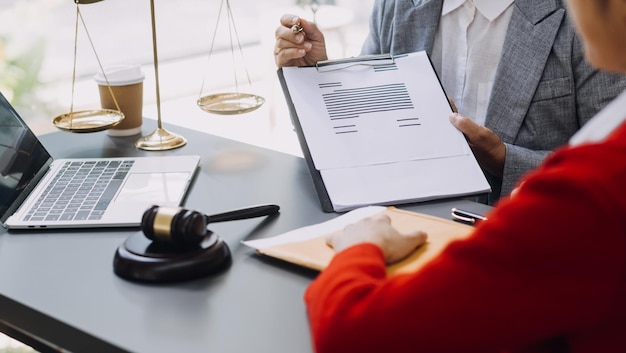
(537, 89)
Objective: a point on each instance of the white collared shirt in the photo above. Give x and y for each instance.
(467, 50)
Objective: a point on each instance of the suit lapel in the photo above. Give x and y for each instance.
(529, 40)
(416, 22)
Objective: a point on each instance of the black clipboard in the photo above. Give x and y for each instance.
(320, 188)
(475, 185)
(316, 176)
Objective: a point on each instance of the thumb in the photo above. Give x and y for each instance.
(417, 238)
(465, 125)
(402, 249)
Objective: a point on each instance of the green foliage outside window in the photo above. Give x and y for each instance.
(19, 69)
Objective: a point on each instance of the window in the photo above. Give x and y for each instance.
(37, 49)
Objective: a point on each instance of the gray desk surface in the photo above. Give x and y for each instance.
(60, 287)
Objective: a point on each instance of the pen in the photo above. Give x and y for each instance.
(296, 28)
(466, 216)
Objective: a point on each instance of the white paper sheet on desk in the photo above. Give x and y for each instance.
(316, 230)
(374, 114)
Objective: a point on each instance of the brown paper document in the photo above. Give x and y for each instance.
(316, 254)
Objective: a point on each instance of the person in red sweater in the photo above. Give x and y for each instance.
(545, 273)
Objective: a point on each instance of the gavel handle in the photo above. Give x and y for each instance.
(243, 213)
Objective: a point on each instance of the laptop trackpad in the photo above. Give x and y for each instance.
(161, 188)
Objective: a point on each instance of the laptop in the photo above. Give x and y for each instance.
(37, 191)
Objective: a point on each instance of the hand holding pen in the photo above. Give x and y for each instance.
(298, 42)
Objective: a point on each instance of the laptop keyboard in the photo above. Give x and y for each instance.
(81, 190)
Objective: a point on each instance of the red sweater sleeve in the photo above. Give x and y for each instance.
(541, 267)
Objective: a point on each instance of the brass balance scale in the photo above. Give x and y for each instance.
(235, 102)
(87, 121)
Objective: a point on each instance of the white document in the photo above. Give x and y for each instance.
(315, 230)
(379, 132)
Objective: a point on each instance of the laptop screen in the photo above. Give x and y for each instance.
(23, 160)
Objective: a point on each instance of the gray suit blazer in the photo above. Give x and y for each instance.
(544, 90)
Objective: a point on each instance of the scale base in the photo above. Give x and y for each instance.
(160, 140)
(139, 259)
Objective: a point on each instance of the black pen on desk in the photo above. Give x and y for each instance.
(466, 216)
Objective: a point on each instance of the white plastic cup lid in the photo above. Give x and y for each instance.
(120, 75)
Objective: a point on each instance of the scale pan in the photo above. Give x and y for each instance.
(230, 103)
(88, 120)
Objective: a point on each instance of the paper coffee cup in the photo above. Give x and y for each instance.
(126, 84)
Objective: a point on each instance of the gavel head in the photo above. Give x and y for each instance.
(174, 225)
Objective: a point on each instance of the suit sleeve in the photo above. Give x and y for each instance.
(373, 43)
